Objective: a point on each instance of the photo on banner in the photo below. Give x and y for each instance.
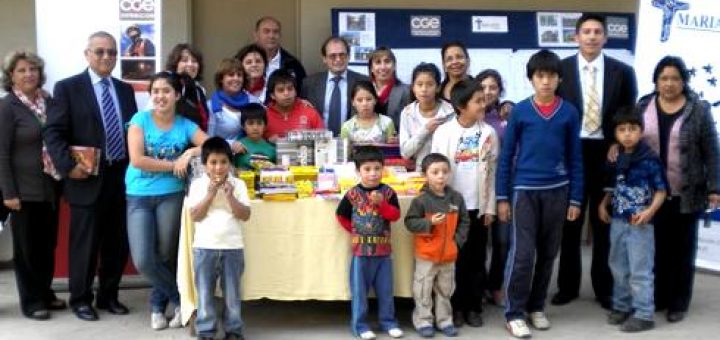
(139, 32)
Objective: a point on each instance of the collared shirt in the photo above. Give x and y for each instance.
(599, 64)
(96, 82)
(273, 64)
(343, 96)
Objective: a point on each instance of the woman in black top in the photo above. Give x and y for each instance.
(29, 190)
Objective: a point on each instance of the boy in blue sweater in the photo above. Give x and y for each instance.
(545, 187)
(637, 190)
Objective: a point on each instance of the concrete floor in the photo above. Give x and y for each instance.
(328, 320)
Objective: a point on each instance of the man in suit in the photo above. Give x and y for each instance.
(597, 85)
(91, 109)
(268, 32)
(329, 91)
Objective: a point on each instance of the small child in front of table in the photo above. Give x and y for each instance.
(440, 222)
(366, 211)
(637, 190)
(218, 203)
(254, 122)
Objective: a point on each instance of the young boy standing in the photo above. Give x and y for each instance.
(440, 221)
(218, 203)
(545, 187)
(366, 211)
(637, 191)
(254, 122)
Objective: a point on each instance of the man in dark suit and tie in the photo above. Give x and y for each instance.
(597, 85)
(91, 109)
(329, 91)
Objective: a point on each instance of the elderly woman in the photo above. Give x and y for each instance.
(160, 144)
(187, 63)
(680, 128)
(227, 102)
(456, 64)
(254, 62)
(28, 191)
(393, 95)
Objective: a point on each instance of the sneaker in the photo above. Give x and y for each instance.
(158, 321)
(539, 320)
(518, 328)
(395, 333)
(634, 325)
(449, 331)
(176, 321)
(616, 317)
(367, 335)
(426, 332)
(474, 319)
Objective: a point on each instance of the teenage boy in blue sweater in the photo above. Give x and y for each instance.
(540, 173)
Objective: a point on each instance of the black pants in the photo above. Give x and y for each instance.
(675, 250)
(570, 267)
(500, 234)
(470, 272)
(34, 229)
(98, 231)
(536, 230)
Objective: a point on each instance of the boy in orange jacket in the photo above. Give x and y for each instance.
(440, 221)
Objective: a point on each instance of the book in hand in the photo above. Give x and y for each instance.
(87, 156)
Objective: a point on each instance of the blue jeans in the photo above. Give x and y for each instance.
(632, 253)
(228, 265)
(153, 226)
(371, 272)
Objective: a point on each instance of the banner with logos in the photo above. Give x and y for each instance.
(689, 29)
(64, 26)
(503, 40)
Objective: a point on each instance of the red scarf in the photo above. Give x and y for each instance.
(385, 92)
(257, 87)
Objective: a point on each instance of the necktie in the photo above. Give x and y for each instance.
(592, 105)
(335, 110)
(114, 140)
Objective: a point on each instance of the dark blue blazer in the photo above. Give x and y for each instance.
(74, 118)
(619, 89)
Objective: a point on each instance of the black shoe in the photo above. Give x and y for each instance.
(634, 325)
(458, 319)
(112, 306)
(616, 317)
(562, 299)
(605, 302)
(40, 314)
(85, 312)
(56, 304)
(474, 319)
(233, 336)
(675, 316)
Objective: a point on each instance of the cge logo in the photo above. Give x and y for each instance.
(425, 25)
(617, 27)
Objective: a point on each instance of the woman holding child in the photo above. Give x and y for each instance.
(159, 144)
(680, 128)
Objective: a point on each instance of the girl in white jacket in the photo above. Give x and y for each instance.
(427, 111)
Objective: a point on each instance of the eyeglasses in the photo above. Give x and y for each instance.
(99, 52)
(337, 56)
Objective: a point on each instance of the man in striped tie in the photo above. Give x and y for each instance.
(91, 109)
(598, 86)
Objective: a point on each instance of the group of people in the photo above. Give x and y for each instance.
(519, 175)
